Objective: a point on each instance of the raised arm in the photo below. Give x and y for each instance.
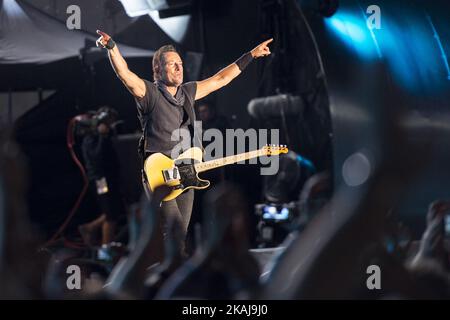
(224, 76)
(132, 82)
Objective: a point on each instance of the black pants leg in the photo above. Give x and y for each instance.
(179, 212)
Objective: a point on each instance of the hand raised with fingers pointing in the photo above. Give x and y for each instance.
(105, 40)
(262, 50)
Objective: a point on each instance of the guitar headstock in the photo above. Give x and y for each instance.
(274, 149)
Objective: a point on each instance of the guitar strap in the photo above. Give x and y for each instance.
(143, 143)
(142, 147)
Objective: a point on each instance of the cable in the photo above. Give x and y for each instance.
(316, 47)
(70, 144)
(283, 117)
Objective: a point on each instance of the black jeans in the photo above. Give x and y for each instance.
(178, 211)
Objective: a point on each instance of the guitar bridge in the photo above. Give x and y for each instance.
(171, 174)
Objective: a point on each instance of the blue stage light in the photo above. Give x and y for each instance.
(352, 30)
(409, 43)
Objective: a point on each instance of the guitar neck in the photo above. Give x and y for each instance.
(212, 164)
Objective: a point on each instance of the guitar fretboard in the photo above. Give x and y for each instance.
(212, 164)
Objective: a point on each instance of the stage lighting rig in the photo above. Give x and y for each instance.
(172, 16)
(135, 8)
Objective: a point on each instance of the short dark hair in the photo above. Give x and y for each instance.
(158, 56)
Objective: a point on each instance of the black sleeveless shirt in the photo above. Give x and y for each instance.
(160, 119)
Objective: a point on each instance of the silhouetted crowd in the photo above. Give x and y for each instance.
(328, 256)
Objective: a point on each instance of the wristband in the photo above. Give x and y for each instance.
(244, 61)
(111, 44)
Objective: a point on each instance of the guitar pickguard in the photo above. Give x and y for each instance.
(188, 175)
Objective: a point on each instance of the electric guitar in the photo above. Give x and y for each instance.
(182, 173)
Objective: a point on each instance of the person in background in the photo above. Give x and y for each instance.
(103, 171)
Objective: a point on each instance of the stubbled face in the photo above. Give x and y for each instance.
(172, 69)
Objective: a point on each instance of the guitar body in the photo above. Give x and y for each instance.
(182, 173)
(157, 165)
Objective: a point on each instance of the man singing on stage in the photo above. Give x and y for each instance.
(167, 105)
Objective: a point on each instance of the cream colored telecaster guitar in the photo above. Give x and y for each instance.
(182, 173)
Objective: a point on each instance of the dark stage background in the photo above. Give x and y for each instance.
(341, 88)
